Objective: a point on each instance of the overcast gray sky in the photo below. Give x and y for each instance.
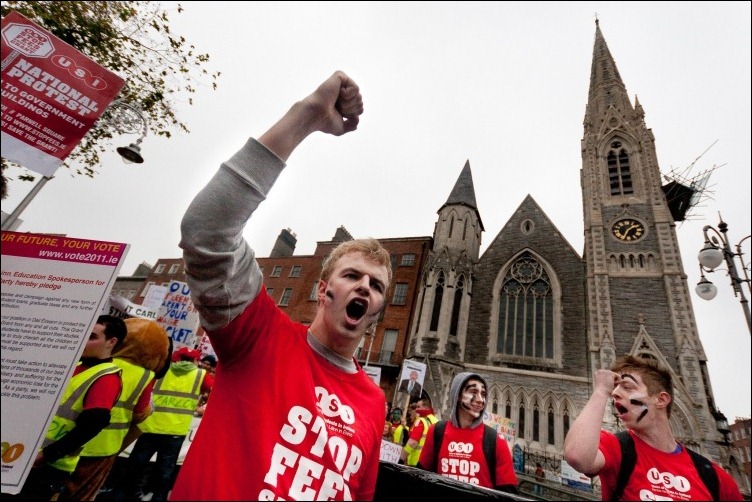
(501, 84)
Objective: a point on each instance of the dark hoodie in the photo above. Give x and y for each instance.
(454, 397)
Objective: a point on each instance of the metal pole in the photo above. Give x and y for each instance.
(370, 344)
(11, 219)
(729, 255)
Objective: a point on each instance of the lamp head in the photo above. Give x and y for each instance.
(131, 154)
(710, 256)
(706, 289)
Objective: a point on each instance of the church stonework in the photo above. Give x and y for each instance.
(536, 318)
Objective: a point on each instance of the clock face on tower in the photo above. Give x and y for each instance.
(628, 230)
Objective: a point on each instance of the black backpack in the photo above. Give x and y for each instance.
(489, 444)
(629, 460)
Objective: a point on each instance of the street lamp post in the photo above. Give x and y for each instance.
(715, 251)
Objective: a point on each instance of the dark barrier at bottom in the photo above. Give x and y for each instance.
(399, 482)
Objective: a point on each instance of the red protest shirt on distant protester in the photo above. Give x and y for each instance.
(470, 467)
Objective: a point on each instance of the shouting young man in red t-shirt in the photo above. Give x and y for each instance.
(292, 415)
(643, 393)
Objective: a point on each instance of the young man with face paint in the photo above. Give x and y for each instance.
(293, 415)
(642, 393)
(461, 455)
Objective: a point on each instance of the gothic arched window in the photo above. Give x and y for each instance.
(526, 311)
(619, 177)
(536, 421)
(438, 296)
(551, 437)
(458, 290)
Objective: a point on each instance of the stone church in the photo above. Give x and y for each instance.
(537, 319)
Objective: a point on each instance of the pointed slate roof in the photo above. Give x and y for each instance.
(464, 192)
(606, 85)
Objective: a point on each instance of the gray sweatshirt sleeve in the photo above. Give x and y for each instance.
(219, 264)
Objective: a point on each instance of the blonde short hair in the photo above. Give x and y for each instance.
(371, 249)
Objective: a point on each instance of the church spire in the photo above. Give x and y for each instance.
(606, 87)
(464, 192)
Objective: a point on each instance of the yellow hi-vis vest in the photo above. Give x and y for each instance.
(71, 405)
(414, 456)
(110, 439)
(175, 399)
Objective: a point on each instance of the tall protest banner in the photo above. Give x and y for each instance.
(52, 95)
(179, 316)
(53, 289)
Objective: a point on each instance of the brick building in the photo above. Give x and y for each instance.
(739, 436)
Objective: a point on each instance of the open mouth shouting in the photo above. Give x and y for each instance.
(639, 408)
(356, 309)
(621, 409)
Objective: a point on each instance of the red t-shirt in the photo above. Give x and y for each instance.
(284, 422)
(659, 475)
(144, 400)
(416, 433)
(461, 457)
(104, 392)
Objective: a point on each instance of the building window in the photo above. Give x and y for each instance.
(388, 345)
(438, 296)
(174, 268)
(551, 436)
(495, 407)
(521, 421)
(295, 271)
(508, 409)
(400, 294)
(131, 294)
(619, 177)
(408, 260)
(286, 294)
(160, 268)
(458, 290)
(314, 292)
(536, 422)
(276, 271)
(526, 311)
(270, 291)
(566, 421)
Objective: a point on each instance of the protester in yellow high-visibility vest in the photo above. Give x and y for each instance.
(143, 357)
(425, 417)
(84, 410)
(175, 399)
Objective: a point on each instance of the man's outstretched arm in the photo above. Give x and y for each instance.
(220, 265)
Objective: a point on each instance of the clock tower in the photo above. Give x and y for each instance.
(637, 295)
